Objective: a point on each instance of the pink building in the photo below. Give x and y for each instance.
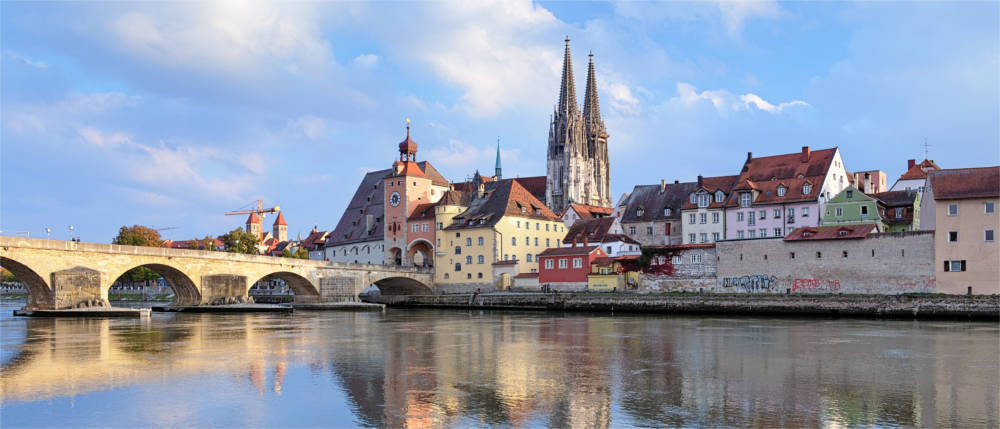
(776, 194)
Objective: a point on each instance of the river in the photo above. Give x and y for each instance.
(447, 368)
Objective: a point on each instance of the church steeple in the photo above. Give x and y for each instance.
(567, 90)
(591, 106)
(498, 168)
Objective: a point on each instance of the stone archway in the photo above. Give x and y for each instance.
(395, 256)
(185, 291)
(402, 286)
(420, 253)
(39, 291)
(303, 290)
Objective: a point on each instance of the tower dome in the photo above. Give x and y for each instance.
(408, 147)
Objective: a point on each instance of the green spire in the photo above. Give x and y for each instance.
(498, 168)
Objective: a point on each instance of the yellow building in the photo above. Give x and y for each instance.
(614, 274)
(488, 235)
(965, 213)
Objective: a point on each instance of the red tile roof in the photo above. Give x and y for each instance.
(678, 247)
(253, 218)
(423, 211)
(792, 170)
(711, 185)
(960, 183)
(280, 220)
(589, 212)
(504, 198)
(535, 185)
(919, 171)
(845, 232)
(506, 262)
(567, 251)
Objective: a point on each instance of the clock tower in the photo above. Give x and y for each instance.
(409, 211)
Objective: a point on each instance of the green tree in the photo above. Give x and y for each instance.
(193, 244)
(138, 235)
(208, 243)
(7, 276)
(240, 241)
(286, 253)
(301, 253)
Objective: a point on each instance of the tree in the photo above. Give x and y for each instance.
(138, 235)
(193, 244)
(240, 241)
(7, 276)
(301, 253)
(286, 253)
(208, 243)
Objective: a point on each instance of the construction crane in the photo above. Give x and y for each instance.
(168, 228)
(260, 211)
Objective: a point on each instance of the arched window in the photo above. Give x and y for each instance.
(719, 196)
(781, 191)
(806, 188)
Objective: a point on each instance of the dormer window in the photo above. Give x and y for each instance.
(806, 188)
(692, 197)
(719, 196)
(745, 199)
(703, 200)
(800, 176)
(639, 212)
(666, 211)
(850, 194)
(781, 191)
(843, 233)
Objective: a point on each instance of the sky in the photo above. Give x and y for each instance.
(169, 114)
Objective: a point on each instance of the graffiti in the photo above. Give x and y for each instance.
(927, 286)
(754, 283)
(815, 285)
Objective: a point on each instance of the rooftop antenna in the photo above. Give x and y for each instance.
(925, 147)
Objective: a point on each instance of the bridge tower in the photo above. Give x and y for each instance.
(409, 209)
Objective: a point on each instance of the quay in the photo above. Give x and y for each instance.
(86, 312)
(912, 306)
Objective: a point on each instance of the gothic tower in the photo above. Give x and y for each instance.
(577, 159)
(597, 142)
(280, 228)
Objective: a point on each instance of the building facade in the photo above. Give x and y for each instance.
(567, 268)
(965, 248)
(577, 167)
(651, 214)
(703, 215)
(900, 210)
(604, 232)
(853, 207)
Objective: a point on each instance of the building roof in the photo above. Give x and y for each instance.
(711, 185)
(315, 240)
(506, 262)
(253, 218)
(368, 199)
(589, 212)
(280, 220)
(590, 230)
(897, 198)
(526, 276)
(503, 198)
(919, 171)
(455, 198)
(652, 199)
(534, 185)
(766, 174)
(569, 251)
(960, 183)
(682, 246)
(423, 211)
(846, 232)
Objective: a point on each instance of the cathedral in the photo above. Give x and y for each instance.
(577, 167)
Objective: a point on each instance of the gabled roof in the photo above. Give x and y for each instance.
(652, 201)
(423, 211)
(253, 218)
(570, 251)
(846, 232)
(280, 220)
(591, 230)
(791, 170)
(368, 199)
(711, 185)
(919, 171)
(585, 211)
(960, 183)
(432, 173)
(503, 198)
(897, 198)
(315, 240)
(455, 198)
(534, 185)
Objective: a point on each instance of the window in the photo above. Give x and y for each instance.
(538, 226)
(715, 236)
(850, 194)
(715, 217)
(562, 264)
(696, 258)
(957, 265)
(577, 262)
(805, 212)
(703, 218)
(952, 209)
(440, 225)
(703, 200)
(608, 249)
(952, 236)
(557, 242)
(518, 224)
(468, 241)
(446, 276)
(458, 267)
(751, 220)
(536, 241)
(527, 241)
(458, 250)
(547, 227)
(719, 196)
(415, 228)
(513, 241)
(988, 236)
(528, 257)
(479, 275)
(649, 230)
(425, 227)
(753, 233)
(777, 232)
(468, 276)
(990, 207)
(691, 237)
(899, 213)
(806, 188)
(481, 259)
(506, 256)
(666, 211)
(638, 212)
(745, 199)
(548, 243)
(791, 212)
(864, 211)
(631, 230)
(704, 237)
(479, 241)
(439, 242)
(468, 260)
(840, 211)
(691, 219)
(739, 216)
(763, 232)
(819, 255)
(677, 260)
(763, 214)
(548, 264)
(739, 234)
(781, 191)
(791, 255)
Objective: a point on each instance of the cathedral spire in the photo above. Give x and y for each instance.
(567, 90)
(498, 168)
(591, 107)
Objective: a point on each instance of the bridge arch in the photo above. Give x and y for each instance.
(395, 256)
(39, 291)
(303, 289)
(402, 286)
(420, 253)
(185, 291)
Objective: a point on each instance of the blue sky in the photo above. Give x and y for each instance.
(170, 114)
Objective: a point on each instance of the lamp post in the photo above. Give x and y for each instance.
(48, 233)
(71, 232)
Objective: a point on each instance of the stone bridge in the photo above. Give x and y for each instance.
(64, 274)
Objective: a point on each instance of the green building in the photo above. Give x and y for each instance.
(900, 210)
(852, 207)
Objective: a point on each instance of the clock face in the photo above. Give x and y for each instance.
(394, 199)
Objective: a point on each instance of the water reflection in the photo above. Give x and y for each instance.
(435, 368)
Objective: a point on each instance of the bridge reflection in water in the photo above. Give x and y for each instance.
(433, 368)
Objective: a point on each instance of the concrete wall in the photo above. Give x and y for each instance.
(688, 276)
(365, 252)
(889, 263)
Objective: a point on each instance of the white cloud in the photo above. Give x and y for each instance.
(621, 98)
(736, 12)
(310, 126)
(725, 101)
(96, 137)
(365, 61)
(27, 61)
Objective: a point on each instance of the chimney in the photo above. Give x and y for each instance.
(481, 191)
(368, 222)
(805, 153)
(699, 180)
(677, 182)
(749, 156)
(584, 241)
(910, 163)
(574, 242)
(663, 185)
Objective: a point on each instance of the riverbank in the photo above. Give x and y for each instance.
(914, 306)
